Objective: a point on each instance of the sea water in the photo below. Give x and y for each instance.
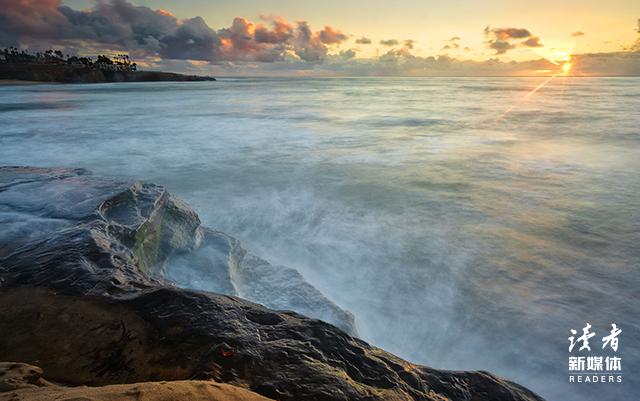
(465, 224)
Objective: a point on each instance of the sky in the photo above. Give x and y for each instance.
(333, 37)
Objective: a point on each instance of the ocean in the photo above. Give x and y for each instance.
(465, 223)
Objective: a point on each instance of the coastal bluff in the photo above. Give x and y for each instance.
(116, 284)
(72, 74)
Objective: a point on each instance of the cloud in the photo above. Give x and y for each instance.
(577, 33)
(404, 51)
(389, 42)
(331, 36)
(508, 33)
(403, 63)
(281, 31)
(191, 40)
(533, 41)
(398, 63)
(501, 46)
(348, 54)
(636, 46)
(406, 44)
(409, 43)
(451, 45)
(118, 25)
(307, 44)
(270, 46)
(501, 39)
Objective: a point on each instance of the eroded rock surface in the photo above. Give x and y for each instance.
(88, 300)
(16, 376)
(141, 224)
(22, 382)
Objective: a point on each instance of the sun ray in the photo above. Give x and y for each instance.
(525, 97)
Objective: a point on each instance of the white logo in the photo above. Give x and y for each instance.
(594, 368)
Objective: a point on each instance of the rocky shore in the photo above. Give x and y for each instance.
(72, 74)
(116, 285)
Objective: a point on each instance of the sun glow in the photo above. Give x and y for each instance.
(561, 55)
(556, 52)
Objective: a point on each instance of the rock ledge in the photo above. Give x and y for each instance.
(84, 294)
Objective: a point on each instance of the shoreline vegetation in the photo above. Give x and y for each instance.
(20, 67)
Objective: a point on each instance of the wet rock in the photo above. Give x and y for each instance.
(91, 303)
(143, 225)
(222, 265)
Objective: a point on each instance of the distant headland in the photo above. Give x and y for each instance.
(53, 66)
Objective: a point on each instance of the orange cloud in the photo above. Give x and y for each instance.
(149, 33)
(501, 39)
(280, 32)
(165, 13)
(331, 36)
(533, 41)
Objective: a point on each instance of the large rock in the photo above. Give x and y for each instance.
(65, 73)
(115, 218)
(88, 300)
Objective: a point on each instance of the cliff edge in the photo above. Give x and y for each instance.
(63, 73)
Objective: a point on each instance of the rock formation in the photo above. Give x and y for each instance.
(88, 273)
(72, 74)
(163, 233)
(22, 382)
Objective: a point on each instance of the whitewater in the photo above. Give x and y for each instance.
(459, 236)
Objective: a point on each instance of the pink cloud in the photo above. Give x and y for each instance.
(145, 32)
